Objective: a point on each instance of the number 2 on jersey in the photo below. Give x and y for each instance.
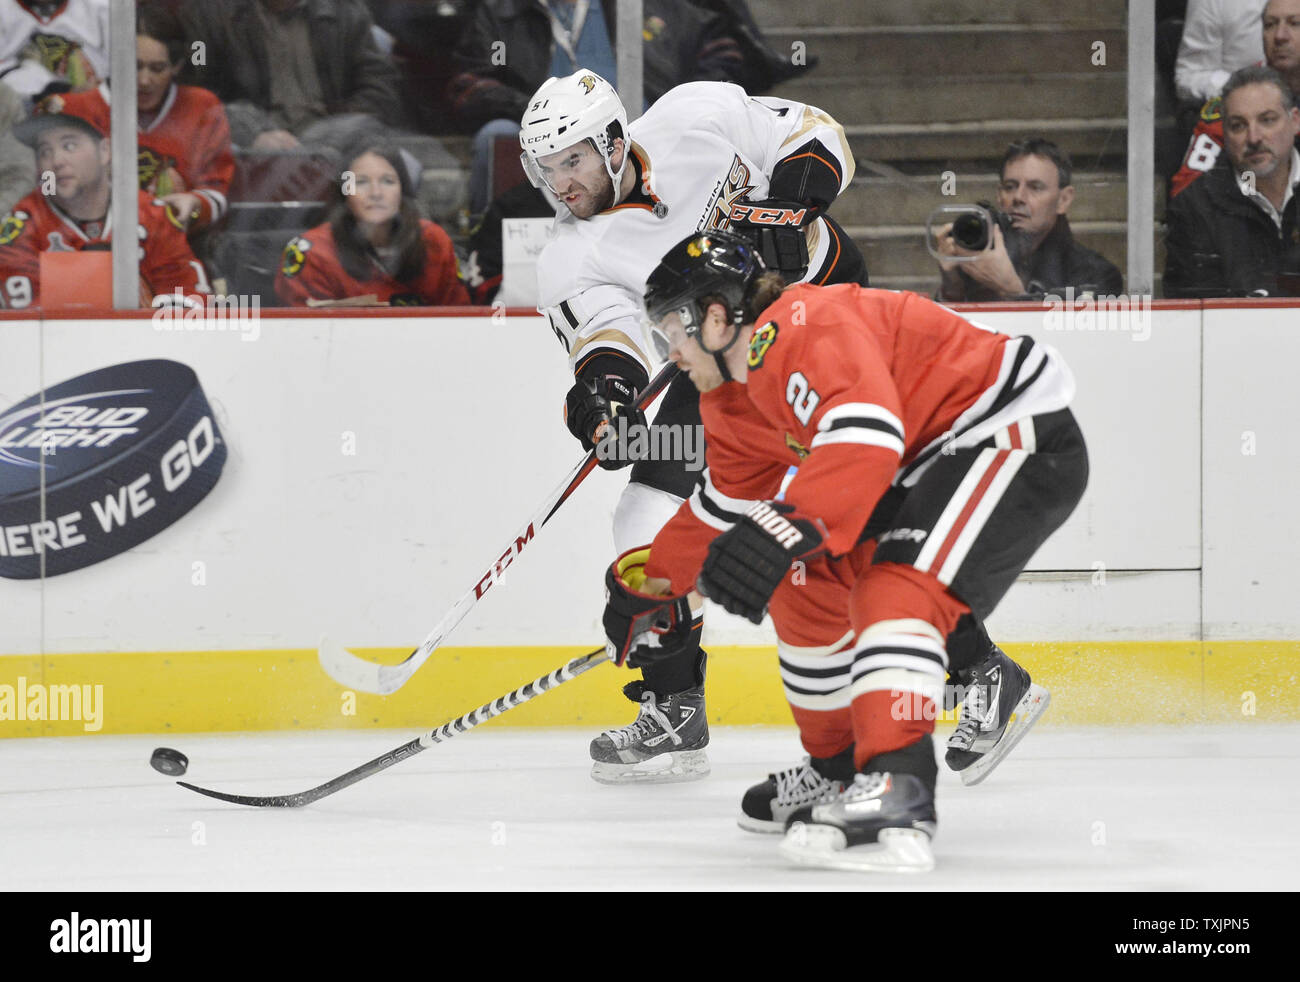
(802, 397)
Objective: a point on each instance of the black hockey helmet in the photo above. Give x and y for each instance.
(719, 266)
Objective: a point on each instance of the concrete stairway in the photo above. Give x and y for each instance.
(933, 86)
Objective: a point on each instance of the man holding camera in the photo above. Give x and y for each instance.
(1029, 251)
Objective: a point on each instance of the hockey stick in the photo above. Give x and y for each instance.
(357, 673)
(571, 669)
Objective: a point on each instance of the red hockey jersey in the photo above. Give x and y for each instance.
(859, 389)
(1203, 148)
(187, 148)
(310, 269)
(36, 225)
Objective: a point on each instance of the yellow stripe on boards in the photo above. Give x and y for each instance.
(1092, 683)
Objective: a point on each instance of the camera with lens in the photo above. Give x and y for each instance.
(972, 229)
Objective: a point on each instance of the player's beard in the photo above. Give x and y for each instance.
(596, 198)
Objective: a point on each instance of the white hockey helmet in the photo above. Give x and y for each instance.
(569, 110)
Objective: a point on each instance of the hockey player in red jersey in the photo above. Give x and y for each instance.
(72, 148)
(375, 244)
(705, 155)
(934, 457)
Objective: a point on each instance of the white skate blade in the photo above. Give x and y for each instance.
(760, 825)
(823, 846)
(1031, 706)
(669, 768)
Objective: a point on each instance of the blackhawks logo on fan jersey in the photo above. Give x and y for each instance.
(12, 227)
(295, 254)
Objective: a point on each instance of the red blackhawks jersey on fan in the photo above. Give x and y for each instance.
(859, 389)
(37, 225)
(310, 269)
(186, 148)
(1203, 148)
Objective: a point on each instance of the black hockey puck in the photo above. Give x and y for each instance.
(173, 763)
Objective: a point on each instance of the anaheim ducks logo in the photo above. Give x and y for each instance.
(735, 187)
(295, 255)
(695, 248)
(588, 83)
(12, 226)
(764, 337)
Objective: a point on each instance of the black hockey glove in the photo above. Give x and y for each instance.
(747, 562)
(604, 399)
(775, 227)
(642, 628)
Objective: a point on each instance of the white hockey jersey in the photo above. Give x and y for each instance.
(702, 148)
(70, 45)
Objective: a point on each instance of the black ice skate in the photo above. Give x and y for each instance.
(998, 690)
(767, 806)
(882, 822)
(665, 743)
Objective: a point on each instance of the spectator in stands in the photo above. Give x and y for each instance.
(49, 46)
(72, 147)
(1235, 232)
(1281, 38)
(375, 245)
(17, 169)
(1035, 193)
(512, 47)
(293, 71)
(184, 157)
(1219, 36)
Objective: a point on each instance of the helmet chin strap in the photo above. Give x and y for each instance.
(720, 353)
(722, 367)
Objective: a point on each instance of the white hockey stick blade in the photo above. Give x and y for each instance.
(346, 668)
(352, 672)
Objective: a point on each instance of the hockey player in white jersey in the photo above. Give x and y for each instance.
(704, 156)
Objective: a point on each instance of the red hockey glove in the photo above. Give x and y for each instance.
(641, 628)
(747, 562)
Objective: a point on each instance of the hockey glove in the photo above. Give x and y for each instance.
(605, 399)
(642, 628)
(747, 562)
(775, 227)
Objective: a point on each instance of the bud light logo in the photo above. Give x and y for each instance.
(118, 455)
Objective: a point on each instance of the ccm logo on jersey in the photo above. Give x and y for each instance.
(768, 216)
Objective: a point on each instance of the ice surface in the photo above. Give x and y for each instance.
(1192, 808)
